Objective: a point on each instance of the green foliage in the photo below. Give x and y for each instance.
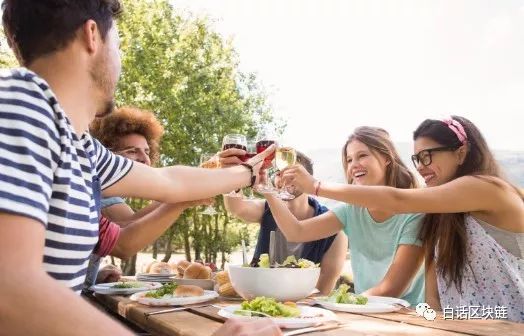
(7, 58)
(178, 67)
(188, 74)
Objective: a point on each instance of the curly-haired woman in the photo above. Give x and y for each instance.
(135, 134)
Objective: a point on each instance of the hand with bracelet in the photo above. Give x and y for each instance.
(230, 158)
(298, 176)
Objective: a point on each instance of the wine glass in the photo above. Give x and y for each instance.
(210, 161)
(265, 138)
(237, 141)
(285, 157)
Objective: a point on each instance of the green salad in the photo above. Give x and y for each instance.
(268, 306)
(166, 289)
(342, 295)
(128, 284)
(290, 262)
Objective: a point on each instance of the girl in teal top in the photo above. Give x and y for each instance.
(386, 255)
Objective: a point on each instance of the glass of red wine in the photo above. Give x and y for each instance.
(237, 141)
(265, 138)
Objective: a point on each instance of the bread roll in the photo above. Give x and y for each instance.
(160, 268)
(222, 277)
(181, 267)
(227, 290)
(174, 267)
(188, 290)
(148, 267)
(197, 271)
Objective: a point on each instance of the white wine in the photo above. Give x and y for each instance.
(285, 157)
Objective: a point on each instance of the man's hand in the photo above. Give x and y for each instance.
(109, 273)
(230, 157)
(257, 161)
(298, 176)
(263, 327)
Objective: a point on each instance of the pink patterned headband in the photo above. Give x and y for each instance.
(457, 128)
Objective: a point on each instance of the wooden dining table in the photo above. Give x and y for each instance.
(203, 321)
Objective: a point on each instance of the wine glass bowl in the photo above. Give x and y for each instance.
(285, 157)
(237, 141)
(262, 145)
(265, 138)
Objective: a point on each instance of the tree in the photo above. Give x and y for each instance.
(178, 67)
(7, 58)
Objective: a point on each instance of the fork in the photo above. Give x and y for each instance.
(174, 310)
(313, 329)
(252, 313)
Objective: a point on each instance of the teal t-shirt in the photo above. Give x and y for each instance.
(373, 246)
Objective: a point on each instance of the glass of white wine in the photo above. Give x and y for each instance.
(285, 156)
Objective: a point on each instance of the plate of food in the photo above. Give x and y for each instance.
(285, 315)
(342, 300)
(124, 287)
(172, 294)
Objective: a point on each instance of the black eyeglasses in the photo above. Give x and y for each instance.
(424, 156)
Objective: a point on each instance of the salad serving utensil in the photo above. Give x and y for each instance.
(271, 248)
(244, 254)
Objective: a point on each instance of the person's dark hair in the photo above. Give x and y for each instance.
(305, 161)
(379, 142)
(447, 231)
(36, 28)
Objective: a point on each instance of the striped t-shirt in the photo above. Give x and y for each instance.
(50, 174)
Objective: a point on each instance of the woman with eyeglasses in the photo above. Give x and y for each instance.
(473, 230)
(386, 254)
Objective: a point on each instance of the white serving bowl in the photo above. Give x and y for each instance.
(282, 284)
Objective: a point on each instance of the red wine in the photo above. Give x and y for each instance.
(247, 156)
(262, 145)
(244, 158)
(237, 146)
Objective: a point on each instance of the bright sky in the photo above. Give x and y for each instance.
(332, 65)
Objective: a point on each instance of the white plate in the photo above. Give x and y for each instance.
(310, 316)
(376, 304)
(106, 288)
(173, 300)
(155, 277)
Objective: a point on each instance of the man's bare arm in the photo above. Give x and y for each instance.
(249, 211)
(180, 183)
(27, 290)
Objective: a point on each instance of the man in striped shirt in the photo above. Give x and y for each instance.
(52, 173)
